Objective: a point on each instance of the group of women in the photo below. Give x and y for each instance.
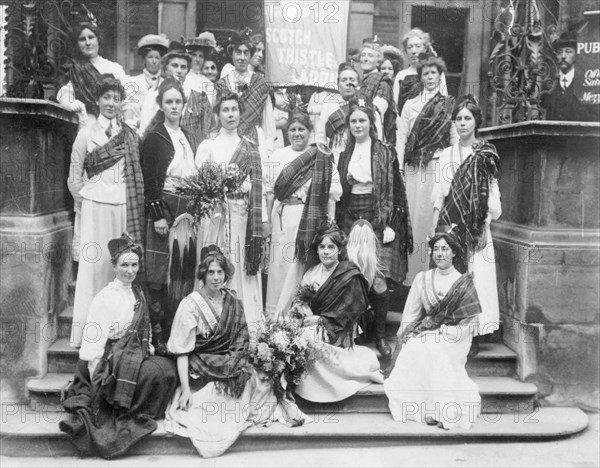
(394, 166)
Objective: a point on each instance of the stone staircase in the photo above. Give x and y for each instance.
(509, 411)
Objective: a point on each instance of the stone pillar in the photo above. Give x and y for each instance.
(547, 246)
(35, 236)
(177, 18)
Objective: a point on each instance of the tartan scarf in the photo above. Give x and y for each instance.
(220, 358)
(382, 172)
(84, 77)
(197, 118)
(400, 222)
(336, 123)
(116, 375)
(459, 303)
(430, 132)
(313, 164)
(247, 157)
(340, 303)
(123, 145)
(466, 204)
(373, 84)
(409, 88)
(253, 96)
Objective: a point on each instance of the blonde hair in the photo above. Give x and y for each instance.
(362, 250)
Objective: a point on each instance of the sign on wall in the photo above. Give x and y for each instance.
(306, 41)
(588, 61)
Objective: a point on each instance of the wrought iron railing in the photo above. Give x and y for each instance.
(522, 65)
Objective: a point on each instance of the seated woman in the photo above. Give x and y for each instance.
(219, 396)
(429, 382)
(120, 388)
(336, 309)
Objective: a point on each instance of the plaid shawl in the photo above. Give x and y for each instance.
(341, 302)
(123, 145)
(382, 171)
(459, 303)
(84, 77)
(220, 358)
(430, 132)
(336, 122)
(409, 88)
(115, 377)
(401, 216)
(247, 157)
(313, 164)
(197, 118)
(466, 205)
(254, 96)
(379, 84)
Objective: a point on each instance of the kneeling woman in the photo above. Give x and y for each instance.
(219, 396)
(119, 388)
(332, 319)
(429, 382)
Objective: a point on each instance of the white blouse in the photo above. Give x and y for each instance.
(182, 165)
(360, 168)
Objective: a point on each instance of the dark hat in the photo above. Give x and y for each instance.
(566, 39)
(177, 50)
(239, 38)
(150, 42)
(121, 244)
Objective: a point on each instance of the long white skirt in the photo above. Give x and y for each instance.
(215, 420)
(344, 372)
(229, 233)
(100, 222)
(419, 185)
(483, 266)
(285, 272)
(429, 379)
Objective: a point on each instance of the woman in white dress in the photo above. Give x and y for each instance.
(337, 307)
(108, 198)
(467, 195)
(429, 382)
(306, 186)
(238, 227)
(424, 129)
(219, 396)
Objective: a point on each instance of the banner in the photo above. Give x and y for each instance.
(306, 41)
(588, 61)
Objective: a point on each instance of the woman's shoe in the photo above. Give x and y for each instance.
(441, 426)
(474, 347)
(430, 421)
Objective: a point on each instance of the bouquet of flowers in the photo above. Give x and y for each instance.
(282, 355)
(208, 187)
(301, 303)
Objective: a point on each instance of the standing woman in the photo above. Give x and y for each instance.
(368, 173)
(407, 84)
(105, 179)
(167, 157)
(80, 75)
(467, 195)
(238, 228)
(307, 186)
(424, 129)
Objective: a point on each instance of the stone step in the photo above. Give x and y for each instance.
(65, 319)
(35, 433)
(498, 395)
(62, 357)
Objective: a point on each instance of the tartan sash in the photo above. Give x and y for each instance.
(466, 204)
(123, 145)
(409, 88)
(430, 132)
(336, 123)
(316, 164)
(197, 118)
(116, 375)
(84, 77)
(247, 157)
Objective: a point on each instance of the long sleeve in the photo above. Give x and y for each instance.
(403, 124)
(96, 330)
(335, 190)
(494, 203)
(183, 332)
(148, 109)
(441, 186)
(75, 180)
(413, 308)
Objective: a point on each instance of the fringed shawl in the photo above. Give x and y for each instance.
(430, 132)
(314, 164)
(126, 144)
(116, 375)
(247, 157)
(220, 358)
(459, 303)
(341, 302)
(466, 205)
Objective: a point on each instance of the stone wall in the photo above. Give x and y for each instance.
(547, 246)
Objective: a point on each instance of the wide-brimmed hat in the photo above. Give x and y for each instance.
(566, 39)
(205, 42)
(391, 52)
(177, 50)
(158, 42)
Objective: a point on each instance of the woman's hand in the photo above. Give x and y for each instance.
(161, 227)
(483, 239)
(266, 227)
(185, 400)
(388, 235)
(310, 320)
